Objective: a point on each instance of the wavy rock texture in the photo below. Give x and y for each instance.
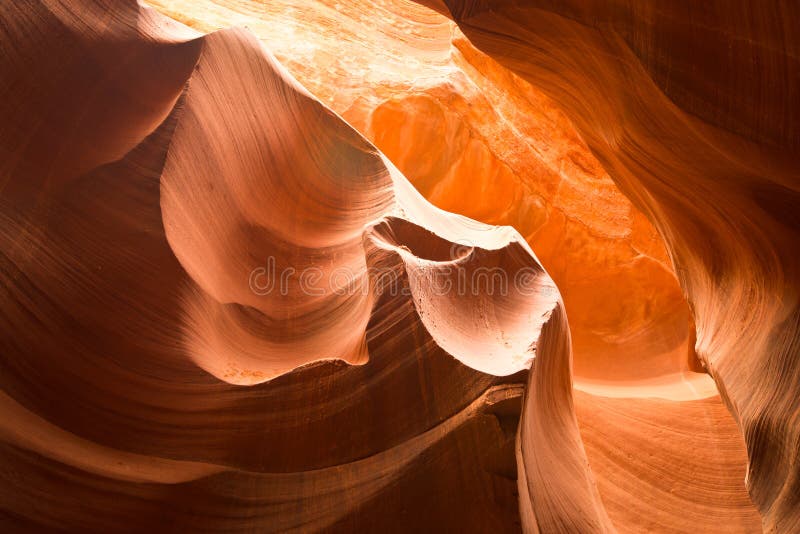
(153, 177)
(151, 381)
(692, 110)
(477, 139)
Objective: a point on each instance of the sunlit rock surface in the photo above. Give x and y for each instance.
(151, 381)
(478, 140)
(693, 111)
(153, 173)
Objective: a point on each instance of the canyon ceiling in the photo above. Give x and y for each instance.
(226, 226)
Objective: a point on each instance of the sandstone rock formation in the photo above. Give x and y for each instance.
(223, 305)
(148, 380)
(693, 112)
(475, 139)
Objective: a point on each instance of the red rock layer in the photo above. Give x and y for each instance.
(476, 139)
(150, 171)
(148, 383)
(691, 109)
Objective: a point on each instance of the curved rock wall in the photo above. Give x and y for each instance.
(223, 305)
(690, 109)
(148, 383)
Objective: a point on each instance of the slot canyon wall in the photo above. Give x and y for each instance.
(693, 111)
(153, 162)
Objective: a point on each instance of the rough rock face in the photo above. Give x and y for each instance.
(223, 305)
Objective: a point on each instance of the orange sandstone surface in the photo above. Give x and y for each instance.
(227, 225)
(692, 109)
(478, 140)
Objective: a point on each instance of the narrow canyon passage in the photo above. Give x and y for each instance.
(226, 224)
(476, 139)
(692, 110)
